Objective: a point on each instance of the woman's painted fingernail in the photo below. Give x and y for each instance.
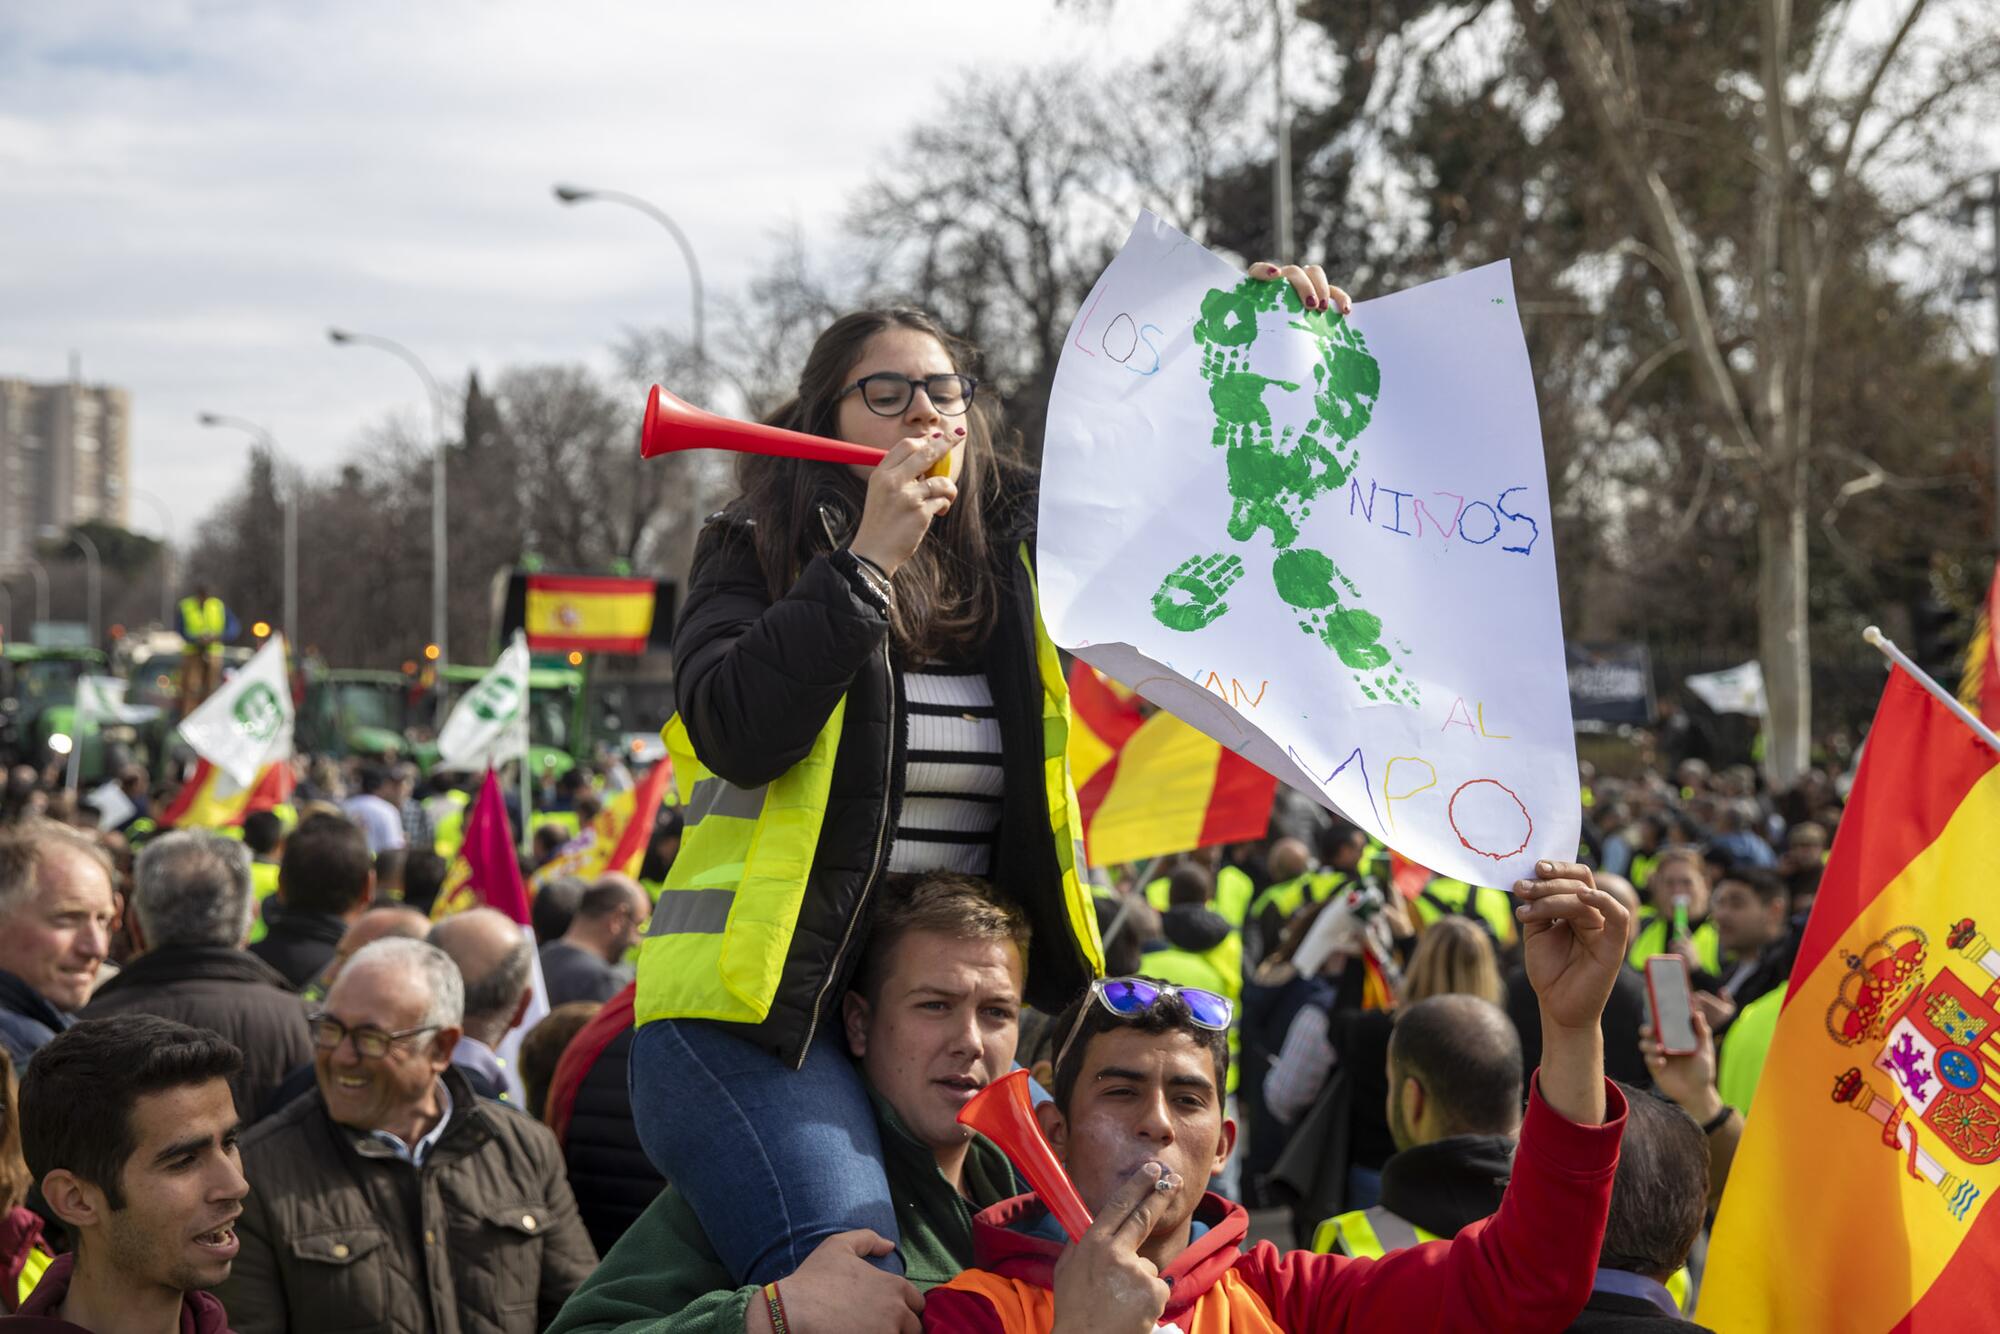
(958, 430)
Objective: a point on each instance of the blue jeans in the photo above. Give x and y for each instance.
(773, 1160)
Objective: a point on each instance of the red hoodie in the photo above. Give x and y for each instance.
(1529, 1267)
(201, 1312)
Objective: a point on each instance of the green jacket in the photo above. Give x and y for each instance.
(663, 1276)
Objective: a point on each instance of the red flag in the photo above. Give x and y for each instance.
(485, 871)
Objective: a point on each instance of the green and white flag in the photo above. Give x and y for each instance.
(490, 725)
(247, 723)
(103, 699)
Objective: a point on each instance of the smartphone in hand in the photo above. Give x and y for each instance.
(1670, 997)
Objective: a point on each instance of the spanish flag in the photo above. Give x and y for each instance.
(617, 838)
(210, 800)
(1149, 785)
(1979, 687)
(1861, 1197)
(591, 613)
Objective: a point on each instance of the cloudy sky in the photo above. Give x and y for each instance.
(191, 191)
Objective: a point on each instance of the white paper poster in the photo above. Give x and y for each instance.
(1325, 542)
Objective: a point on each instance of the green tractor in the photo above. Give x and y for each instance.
(38, 721)
(355, 711)
(558, 718)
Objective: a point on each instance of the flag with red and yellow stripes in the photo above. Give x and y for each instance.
(1979, 685)
(617, 838)
(1148, 784)
(211, 800)
(590, 613)
(1885, 1062)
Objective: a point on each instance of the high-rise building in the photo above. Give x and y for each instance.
(65, 459)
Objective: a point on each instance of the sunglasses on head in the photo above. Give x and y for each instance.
(1130, 997)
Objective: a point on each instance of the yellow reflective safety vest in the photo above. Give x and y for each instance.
(1373, 1233)
(1740, 1063)
(32, 1269)
(1368, 1233)
(448, 823)
(723, 926)
(263, 883)
(203, 619)
(1654, 931)
(1233, 891)
(1493, 907)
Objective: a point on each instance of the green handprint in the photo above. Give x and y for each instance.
(1274, 475)
(1191, 596)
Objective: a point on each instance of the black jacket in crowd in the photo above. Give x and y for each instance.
(609, 1172)
(1443, 1185)
(298, 944)
(756, 681)
(224, 990)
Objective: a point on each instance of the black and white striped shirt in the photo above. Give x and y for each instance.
(952, 779)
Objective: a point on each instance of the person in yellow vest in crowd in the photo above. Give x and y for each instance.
(1201, 950)
(264, 834)
(1296, 882)
(1454, 1109)
(1677, 902)
(204, 626)
(864, 688)
(447, 809)
(1491, 908)
(22, 1251)
(1234, 889)
(1290, 866)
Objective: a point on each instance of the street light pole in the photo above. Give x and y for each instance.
(570, 194)
(41, 589)
(270, 444)
(344, 337)
(93, 575)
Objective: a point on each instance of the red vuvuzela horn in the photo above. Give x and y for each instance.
(1001, 1112)
(672, 424)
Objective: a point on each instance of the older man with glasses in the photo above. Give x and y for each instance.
(392, 1196)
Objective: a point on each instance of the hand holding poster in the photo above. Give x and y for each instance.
(1322, 540)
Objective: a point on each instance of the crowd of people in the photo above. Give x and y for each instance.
(259, 1078)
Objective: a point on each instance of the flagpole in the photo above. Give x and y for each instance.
(527, 802)
(74, 769)
(1923, 678)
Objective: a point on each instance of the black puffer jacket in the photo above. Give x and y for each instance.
(609, 1172)
(756, 682)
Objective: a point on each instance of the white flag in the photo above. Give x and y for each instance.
(490, 725)
(103, 698)
(1732, 690)
(247, 723)
(1323, 541)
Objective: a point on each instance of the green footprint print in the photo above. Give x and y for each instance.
(1275, 475)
